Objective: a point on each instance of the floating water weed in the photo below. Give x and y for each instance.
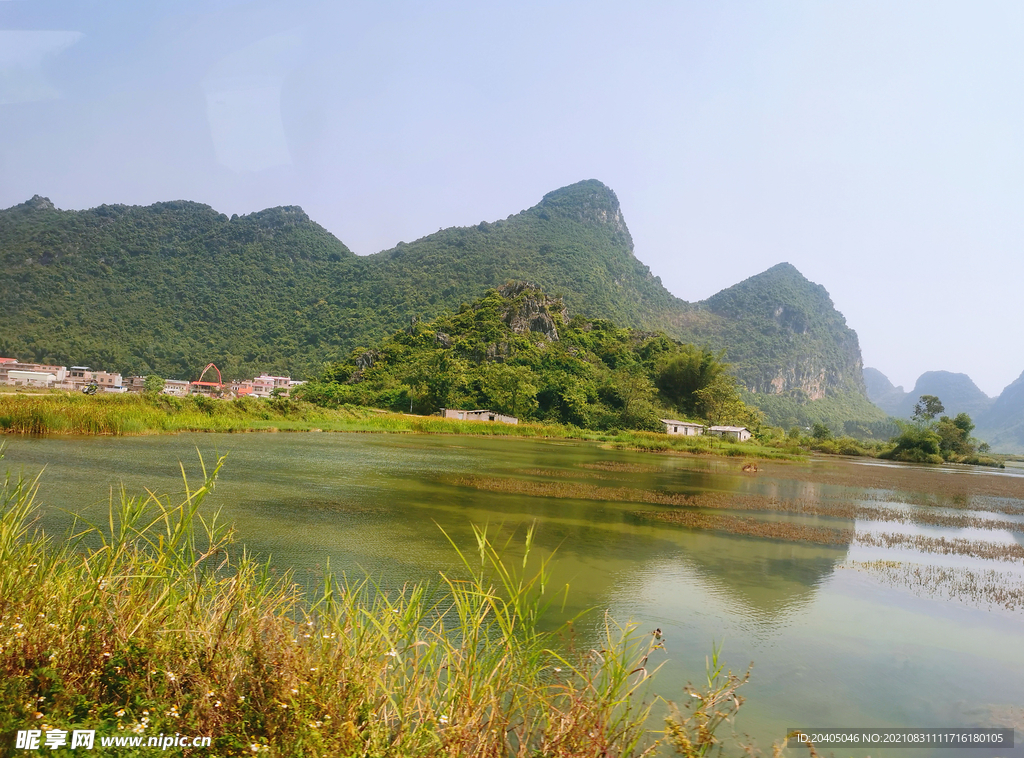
(982, 588)
(838, 509)
(944, 545)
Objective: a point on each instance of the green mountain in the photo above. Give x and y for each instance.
(999, 421)
(882, 392)
(516, 351)
(170, 287)
(1002, 425)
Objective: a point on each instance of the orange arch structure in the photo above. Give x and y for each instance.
(220, 379)
(199, 387)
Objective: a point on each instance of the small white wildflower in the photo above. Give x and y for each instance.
(295, 691)
(392, 653)
(254, 747)
(217, 704)
(120, 713)
(241, 698)
(443, 718)
(170, 676)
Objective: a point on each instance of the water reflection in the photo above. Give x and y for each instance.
(831, 646)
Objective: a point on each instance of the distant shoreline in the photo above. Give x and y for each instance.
(62, 414)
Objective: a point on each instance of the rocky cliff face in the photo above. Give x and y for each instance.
(783, 335)
(533, 311)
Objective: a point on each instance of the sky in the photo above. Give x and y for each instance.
(876, 146)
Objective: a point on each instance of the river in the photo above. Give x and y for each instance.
(835, 639)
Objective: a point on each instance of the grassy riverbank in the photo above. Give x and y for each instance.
(77, 414)
(156, 624)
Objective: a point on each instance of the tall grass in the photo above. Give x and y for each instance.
(156, 622)
(69, 413)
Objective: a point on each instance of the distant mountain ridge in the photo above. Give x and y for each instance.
(999, 421)
(170, 287)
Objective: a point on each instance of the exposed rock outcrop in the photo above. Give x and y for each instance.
(533, 311)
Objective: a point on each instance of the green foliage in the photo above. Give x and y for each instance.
(927, 408)
(167, 288)
(916, 444)
(782, 334)
(500, 353)
(685, 372)
(820, 432)
(154, 385)
(948, 439)
(155, 622)
(845, 412)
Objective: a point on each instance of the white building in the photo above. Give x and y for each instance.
(738, 433)
(477, 415)
(685, 428)
(264, 384)
(176, 387)
(31, 378)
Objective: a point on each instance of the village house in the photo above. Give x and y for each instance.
(135, 384)
(738, 433)
(477, 415)
(78, 377)
(30, 378)
(108, 381)
(176, 387)
(9, 365)
(685, 428)
(242, 388)
(264, 385)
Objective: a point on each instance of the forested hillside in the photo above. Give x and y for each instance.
(170, 287)
(517, 351)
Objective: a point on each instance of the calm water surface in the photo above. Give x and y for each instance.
(831, 646)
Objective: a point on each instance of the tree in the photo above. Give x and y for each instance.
(820, 432)
(719, 401)
(685, 372)
(508, 389)
(927, 408)
(955, 435)
(916, 444)
(153, 385)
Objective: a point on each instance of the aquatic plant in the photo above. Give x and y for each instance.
(155, 622)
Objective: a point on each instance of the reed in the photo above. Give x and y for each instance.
(131, 414)
(155, 622)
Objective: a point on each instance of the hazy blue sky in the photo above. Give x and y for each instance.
(877, 146)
